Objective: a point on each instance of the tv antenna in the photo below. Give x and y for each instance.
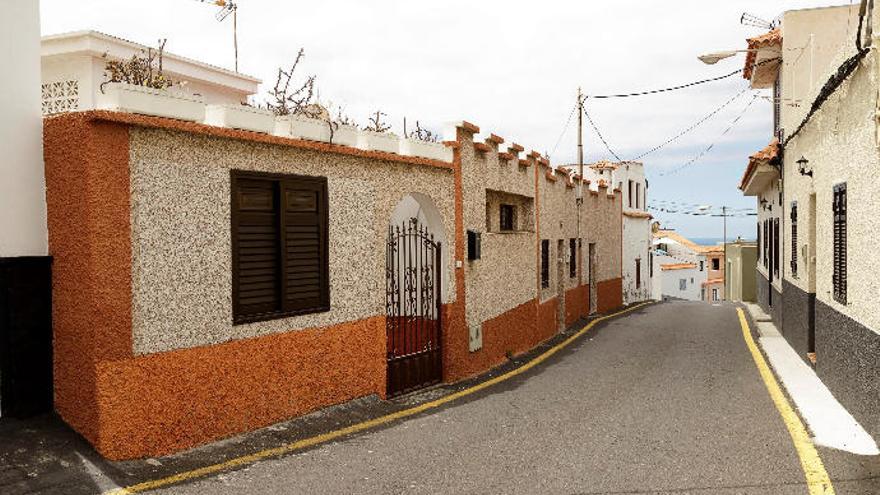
(227, 7)
(755, 21)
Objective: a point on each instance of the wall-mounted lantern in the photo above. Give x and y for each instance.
(804, 168)
(763, 204)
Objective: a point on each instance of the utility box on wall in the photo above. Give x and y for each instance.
(475, 342)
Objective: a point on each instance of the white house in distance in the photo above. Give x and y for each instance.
(629, 177)
(73, 70)
(681, 267)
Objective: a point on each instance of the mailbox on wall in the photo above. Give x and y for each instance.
(474, 247)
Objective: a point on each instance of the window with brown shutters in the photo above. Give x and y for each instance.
(545, 263)
(279, 246)
(794, 238)
(839, 268)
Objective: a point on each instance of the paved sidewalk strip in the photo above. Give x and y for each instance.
(831, 424)
(818, 481)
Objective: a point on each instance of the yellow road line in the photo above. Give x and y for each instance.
(359, 427)
(818, 481)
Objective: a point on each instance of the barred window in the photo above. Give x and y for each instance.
(839, 269)
(794, 238)
(572, 258)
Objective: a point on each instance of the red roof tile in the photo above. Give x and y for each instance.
(767, 39)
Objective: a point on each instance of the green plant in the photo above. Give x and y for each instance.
(377, 124)
(140, 70)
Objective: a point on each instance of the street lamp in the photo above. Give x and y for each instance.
(802, 167)
(715, 57)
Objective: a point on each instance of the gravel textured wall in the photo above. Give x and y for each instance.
(202, 394)
(177, 175)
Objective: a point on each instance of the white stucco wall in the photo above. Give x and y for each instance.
(841, 143)
(670, 281)
(79, 58)
(22, 182)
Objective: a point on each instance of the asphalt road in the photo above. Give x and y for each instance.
(667, 399)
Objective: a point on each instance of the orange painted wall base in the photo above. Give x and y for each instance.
(609, 295)
(577, 304)
(207, 393)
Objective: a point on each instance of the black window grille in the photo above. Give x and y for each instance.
(794, 238)
(776, 246)
(839, 269)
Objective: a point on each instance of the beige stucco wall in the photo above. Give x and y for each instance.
(510, 260)
(180, 221)
(814, 43)
(504, 277)
(841, 144)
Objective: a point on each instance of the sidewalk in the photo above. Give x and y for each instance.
(829, 422)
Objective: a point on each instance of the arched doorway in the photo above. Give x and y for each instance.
(413, 295)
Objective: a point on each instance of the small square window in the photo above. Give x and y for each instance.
(508, 218)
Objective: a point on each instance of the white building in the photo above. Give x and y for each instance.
(629, 177)
(73, 71)
(817, 193)
(25, 267)
(681, 268)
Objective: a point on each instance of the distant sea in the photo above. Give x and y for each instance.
(713, 241)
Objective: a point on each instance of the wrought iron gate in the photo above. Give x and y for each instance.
(412, 304)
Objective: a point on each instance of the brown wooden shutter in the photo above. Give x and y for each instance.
(256, 256)
(304, 217)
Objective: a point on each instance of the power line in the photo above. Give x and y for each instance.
(681, 86)
(564, 129)
(599, 133)
(693, 205)
(691, 128)
(711, 146)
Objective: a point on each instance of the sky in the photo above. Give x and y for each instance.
(511, 67)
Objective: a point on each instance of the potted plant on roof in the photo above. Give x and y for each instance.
(424, 143)
(139, 85)
(296, 115)
(375, 136)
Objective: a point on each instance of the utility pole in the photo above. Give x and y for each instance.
(724, 215)
(235, 32)
(580, 185)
